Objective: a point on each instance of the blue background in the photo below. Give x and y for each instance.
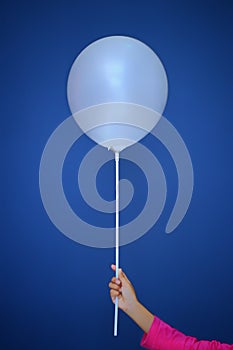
(54, 292)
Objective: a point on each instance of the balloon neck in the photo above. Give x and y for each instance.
(115, 150)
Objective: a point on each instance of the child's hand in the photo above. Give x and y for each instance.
(123, 289)
(128, 302)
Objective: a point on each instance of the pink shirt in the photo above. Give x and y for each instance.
(163, 337)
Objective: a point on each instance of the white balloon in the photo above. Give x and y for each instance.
(117, 91)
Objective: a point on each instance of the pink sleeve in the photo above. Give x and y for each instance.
(163, 337)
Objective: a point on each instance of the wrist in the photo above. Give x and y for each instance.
(132, 308)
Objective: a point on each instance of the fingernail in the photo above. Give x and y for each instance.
(118, 281)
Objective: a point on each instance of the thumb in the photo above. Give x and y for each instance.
(113, 267)
(122, 275)
(120, 272)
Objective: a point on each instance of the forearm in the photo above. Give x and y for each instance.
(139, 314)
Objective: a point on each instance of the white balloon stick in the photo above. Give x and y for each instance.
(117, 238)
